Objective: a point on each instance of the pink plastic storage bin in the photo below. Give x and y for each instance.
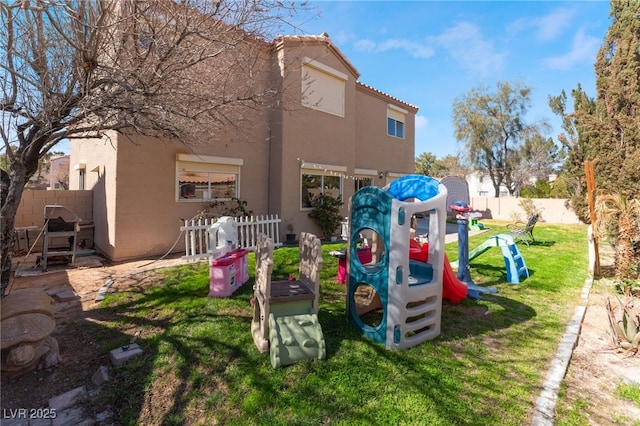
(222, 277)
(241, 264)
(228, 273)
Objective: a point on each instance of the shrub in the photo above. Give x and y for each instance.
(326, 213)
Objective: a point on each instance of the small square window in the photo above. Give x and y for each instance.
(361, 182)
(395, 128)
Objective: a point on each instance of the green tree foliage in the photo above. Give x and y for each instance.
(492, 126)
(537, 158)
(427, 164)
(615, 126)
(575, 144)
(606, 129)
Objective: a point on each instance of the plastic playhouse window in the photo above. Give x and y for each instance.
(369, 307)
(370, 248)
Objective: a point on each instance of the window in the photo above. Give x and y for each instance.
(201, 178)
(395, 128)
(361, 182)
(395, 121)
(323, 88)
(319, 179)
(81, 179)
(364, 177)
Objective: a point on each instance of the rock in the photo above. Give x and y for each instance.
(52, 357)
(100, 376)
(25, 331)
(25, 328)
(26, 301)
(21, 356)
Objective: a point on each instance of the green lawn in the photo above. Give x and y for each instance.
(200, 365)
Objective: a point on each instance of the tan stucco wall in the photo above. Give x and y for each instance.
(100, 160)
(389, 154)
(135, 207)
(553, 210)
(136, 211)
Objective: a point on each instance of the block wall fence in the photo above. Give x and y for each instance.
(31, 210)
(553, 210)
(30, 214)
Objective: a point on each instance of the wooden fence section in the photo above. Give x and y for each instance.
(197, 236)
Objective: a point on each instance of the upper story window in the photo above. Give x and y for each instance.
(396, 118)
(323, 88)
(319, 179)
(206, 178)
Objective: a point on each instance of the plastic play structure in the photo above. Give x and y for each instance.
(398, 281)
(463, 213)
(228, 269)
(513, 259)
(285, 313)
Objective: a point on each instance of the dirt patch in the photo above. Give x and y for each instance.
(80, 329)
(594, 372)
(596, 368)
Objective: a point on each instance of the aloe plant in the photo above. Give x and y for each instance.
(625, 323)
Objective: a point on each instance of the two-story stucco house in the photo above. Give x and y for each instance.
(329, 133)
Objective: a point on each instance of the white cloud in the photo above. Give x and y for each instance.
(414, 49)
(584, 48)
(466, 44)
(551, 26)
(342, 37)
(365, 45)
(547, 27)
(422, 122)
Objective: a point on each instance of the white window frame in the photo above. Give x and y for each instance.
(210, 165)
(322, 170)
(396, 115)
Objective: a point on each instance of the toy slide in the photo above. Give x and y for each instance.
(513, 260)
(452, 288)
(478, 250)
(482, 248)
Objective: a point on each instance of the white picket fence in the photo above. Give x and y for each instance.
(196, 233)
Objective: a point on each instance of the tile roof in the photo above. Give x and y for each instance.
(324, 38)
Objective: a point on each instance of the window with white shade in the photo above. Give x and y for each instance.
(207, 178)
(323, 88)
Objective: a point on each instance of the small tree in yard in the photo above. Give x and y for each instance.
(326, 213)
(161, 68)
(491, 125)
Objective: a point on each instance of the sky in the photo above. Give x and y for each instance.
(430, 53)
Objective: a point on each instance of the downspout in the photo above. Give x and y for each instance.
(269, 176)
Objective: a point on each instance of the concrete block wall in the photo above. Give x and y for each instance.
(31, 213)
(553, 210)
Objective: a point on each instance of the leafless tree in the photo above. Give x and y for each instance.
(77, 68)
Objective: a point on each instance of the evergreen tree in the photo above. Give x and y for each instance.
(616, 122)
(606, 129)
